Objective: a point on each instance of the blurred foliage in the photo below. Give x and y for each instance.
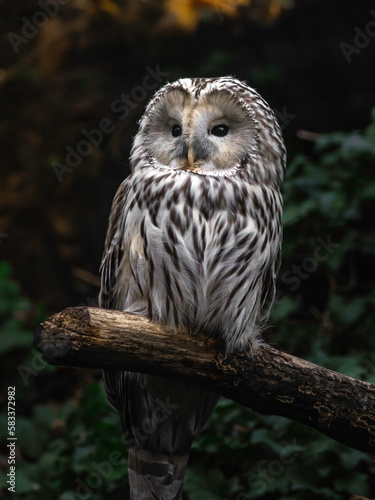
(62, 445)
(70, 444)
(188, 12)
(59, 79)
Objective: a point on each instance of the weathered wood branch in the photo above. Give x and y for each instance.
(269, 381)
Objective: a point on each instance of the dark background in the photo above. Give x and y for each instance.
(64, 80)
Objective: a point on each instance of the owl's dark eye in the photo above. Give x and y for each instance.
(220, 130)
(176, 130)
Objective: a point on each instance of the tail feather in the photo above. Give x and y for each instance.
(160, 419)
(154, 476)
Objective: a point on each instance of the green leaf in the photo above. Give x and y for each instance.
(14, 336)
(43, 414)
(24, 484)
(34, 437)
(283, 308)
(211, 485)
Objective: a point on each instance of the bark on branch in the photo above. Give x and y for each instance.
(270, 381)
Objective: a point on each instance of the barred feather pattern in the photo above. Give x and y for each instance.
(195, 249)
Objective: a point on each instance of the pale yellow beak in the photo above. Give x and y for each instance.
(191, 157)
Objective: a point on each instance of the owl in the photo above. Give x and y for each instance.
(194, 242)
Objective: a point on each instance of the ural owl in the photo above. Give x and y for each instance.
(193, 242)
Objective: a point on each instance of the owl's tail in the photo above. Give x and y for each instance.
(154, 476)
(160, 419)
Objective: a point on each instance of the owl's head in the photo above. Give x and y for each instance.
(210, 127)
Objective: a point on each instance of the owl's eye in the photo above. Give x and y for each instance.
(176, 130)
(220, 130)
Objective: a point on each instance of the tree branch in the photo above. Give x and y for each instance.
(268, 381)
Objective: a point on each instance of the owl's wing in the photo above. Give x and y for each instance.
(114, 249)
(269, 289)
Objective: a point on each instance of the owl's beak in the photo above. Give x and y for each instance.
(190, 157)
(193, 156)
